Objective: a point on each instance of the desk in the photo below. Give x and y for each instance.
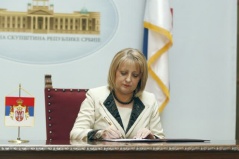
(119, 150)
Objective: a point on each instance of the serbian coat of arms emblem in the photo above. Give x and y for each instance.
(19, 111)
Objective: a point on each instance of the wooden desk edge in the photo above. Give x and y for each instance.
(115, 146)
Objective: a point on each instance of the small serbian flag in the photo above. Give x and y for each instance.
(19, 111)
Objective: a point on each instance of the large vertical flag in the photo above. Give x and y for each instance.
(19, 111)
(157, 41)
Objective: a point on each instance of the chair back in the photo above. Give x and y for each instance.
(61, 109)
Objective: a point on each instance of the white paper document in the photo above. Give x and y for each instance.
(156, 140)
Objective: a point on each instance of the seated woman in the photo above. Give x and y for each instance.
(122, 109)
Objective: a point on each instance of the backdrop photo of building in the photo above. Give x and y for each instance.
(40, 18)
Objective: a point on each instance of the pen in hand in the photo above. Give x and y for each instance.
(109, 122)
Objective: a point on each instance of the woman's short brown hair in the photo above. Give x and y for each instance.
(137, 57)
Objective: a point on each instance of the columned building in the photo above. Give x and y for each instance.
(40, 18)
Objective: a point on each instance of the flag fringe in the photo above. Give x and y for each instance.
(157, 55)
(159, 30)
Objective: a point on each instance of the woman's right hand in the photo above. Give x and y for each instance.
(111, 133)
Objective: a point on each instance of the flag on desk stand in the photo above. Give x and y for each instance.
(19, 111)
(157, 41)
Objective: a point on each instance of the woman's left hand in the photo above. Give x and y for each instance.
(144, 133)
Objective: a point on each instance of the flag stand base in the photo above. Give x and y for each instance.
(18, 141)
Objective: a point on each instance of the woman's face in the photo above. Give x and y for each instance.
(127, 78)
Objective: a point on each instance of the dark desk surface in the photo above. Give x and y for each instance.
(96, 149)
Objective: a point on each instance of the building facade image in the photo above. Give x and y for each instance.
(40, 18)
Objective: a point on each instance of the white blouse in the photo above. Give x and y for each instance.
(125, 115)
